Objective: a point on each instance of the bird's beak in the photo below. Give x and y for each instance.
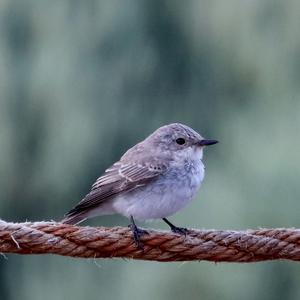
(207, 142)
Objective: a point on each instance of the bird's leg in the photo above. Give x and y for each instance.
(175, 228)
(137, 232)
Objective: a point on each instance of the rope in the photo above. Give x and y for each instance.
(102, 242)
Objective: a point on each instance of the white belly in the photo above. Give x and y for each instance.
(164, 196)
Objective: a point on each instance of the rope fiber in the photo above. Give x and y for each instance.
(103, 242)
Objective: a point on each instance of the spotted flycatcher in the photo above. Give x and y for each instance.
(152, 180)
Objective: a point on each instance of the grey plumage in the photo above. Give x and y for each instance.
(144, 173)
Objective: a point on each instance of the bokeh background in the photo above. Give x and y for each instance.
(82, 81)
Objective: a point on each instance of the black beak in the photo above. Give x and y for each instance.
(207, 142)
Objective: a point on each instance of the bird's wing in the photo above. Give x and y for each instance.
(120, 178)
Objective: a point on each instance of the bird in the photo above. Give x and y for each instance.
(153, 180)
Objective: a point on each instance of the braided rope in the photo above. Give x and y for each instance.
(102, 242)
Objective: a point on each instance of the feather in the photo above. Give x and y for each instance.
(120, 178)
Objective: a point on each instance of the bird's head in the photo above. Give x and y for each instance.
(178, 138)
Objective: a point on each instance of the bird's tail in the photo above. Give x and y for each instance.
(74, 218)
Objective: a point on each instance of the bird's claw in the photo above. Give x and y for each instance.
(180, 230)
(137, 233)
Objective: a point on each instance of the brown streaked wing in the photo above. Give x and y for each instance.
(121, 177)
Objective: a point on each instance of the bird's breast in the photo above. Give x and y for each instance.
(165, 195)
(188, 176)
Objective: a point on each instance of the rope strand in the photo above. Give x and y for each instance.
(103, 242)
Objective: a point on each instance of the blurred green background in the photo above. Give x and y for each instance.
(82, 81)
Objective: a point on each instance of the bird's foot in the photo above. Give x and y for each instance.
(137, 233)
(180, 230)
(176, 229)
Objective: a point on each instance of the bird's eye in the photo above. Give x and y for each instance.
(180, 141)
